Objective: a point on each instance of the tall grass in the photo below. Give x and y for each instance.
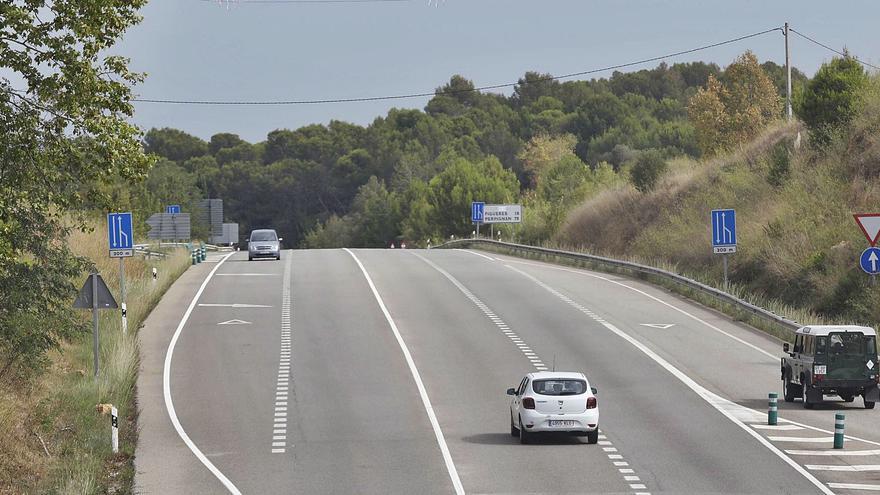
(59, 407)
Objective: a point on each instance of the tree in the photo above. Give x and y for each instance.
(64, 136)
(647, 170)
(732, 112)
(543, 152)
(831, 99)
(174, 144)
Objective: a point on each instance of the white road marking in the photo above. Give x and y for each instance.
(661, 326)
(803, 439)
(247, 274)
(637, 486)
(833, 453)
(234, 322)
(284, 353)
(615, 456)
(626, 471)
(426, 402)
(233, 305)
(631, 478)
(609, 449)
(477, 254)
(856, 468)
(689, 315)
(166, 387)
(724, 406)
(777, 427)
(855, 486)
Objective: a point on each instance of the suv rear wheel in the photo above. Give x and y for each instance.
(789, 390)
(868, 404)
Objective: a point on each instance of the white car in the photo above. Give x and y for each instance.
(554, 401)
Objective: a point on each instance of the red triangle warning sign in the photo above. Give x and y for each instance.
(870, 225)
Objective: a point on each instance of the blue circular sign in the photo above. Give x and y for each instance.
(870, 260)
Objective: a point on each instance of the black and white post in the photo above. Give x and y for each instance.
(122, 294)
(114, 429)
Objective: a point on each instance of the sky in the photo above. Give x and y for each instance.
(212, 50)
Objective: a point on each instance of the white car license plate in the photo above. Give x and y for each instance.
(562, 422)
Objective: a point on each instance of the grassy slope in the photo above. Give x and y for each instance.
(798, 242)
(59, 407)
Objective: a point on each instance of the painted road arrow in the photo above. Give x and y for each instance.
(235, 322)
(662, 326)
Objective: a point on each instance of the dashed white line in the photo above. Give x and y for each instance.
(281, 395)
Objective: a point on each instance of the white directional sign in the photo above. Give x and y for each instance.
(120, 235)
(502, 214)
(870, 225)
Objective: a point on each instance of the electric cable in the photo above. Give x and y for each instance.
(453, 92)
(843, 54)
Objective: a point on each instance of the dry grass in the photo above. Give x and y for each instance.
(798, 244)
(59, 405)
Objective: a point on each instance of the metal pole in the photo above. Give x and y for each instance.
(724, 258)
(773, 411)
(95, 319)
(787, 77)
(491, 231)
(838, 430)
(478, 230)
(122, 292)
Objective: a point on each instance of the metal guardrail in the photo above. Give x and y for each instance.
(638, 268)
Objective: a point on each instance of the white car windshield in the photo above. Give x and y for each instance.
(263, 236)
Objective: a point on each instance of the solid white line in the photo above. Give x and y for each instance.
(713, 399)
(478, 254)
(426, 402)
(166, 386)
(856, 468)
(855, 486)
(709, 325)
(833, 453)
(803, 439)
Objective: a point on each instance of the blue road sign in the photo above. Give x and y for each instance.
(477, 211)
(172, 209)
(723, 228)
(870, 260)
(120, 234)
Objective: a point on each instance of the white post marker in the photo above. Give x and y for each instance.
(155, 273)
(114, 429)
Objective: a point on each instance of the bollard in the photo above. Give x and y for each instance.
(155, 274)
(203, 253)
(114, 429)
(838, 430)
(193, 254)
(772, 411)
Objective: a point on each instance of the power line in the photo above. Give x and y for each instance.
(303, 1)
(469, 90)
(843, 54)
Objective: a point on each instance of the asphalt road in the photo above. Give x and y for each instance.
(322, 398)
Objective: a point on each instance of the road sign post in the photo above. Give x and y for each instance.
(724, 235)
(95, 295)
(120, 234)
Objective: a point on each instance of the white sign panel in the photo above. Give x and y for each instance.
(502, 214)
(724, 249)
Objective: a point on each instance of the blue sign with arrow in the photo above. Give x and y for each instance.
(724, 231)
(172, 209)
(870, 260)
(120, 235)
(477, 211)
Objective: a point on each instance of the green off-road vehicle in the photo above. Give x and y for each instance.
(831, 360)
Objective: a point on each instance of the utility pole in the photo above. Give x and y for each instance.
(787, 76)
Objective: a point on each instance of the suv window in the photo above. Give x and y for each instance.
(265, 235)
(522, 386)
(847, 344)
(559, 387)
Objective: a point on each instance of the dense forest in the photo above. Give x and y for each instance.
(413, 173)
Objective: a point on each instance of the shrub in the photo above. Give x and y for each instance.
(647, 170)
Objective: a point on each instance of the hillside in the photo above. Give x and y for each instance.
(798, 241)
